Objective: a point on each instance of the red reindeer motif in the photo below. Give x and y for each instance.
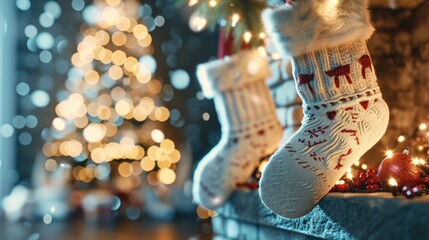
(306, 79)
(338, 72)
(366, 63)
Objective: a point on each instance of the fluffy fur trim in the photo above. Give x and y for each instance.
(311, 25)
(232, 72)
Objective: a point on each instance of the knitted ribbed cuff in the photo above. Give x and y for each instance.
(335, 72)
(232, 72)
(311, 25)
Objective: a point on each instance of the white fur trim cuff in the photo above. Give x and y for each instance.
(311, 25)
(232, 72)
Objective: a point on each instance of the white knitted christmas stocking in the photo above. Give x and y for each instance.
(250, 129)
(344, 112)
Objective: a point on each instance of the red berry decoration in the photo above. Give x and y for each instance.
(356, 184)
(362, 176)
(400, 167)
(371, 173)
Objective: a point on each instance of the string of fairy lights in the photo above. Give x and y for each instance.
(111, 121)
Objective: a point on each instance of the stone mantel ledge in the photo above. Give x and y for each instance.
(337, 216)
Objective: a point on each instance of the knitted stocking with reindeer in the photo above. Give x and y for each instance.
(344, 112)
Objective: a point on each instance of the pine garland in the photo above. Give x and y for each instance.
(241, 18)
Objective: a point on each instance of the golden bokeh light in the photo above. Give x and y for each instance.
(162, 114)
(94, 132)
(125, 169)
(123, 107)
(147, 104)
(111, 129)
(85, 175)
(124, 24)
(72, 148)
(110, 15)
(76, 60)
(96, 52)
(98, 155)
(167, 145)
(81, 122)
(153, 153)
(91, 77)
(76, 171)
(103, 112)
(119, 57)
(130, 64)
(51, 165)
(59, 124)
(163, 163)
(147, 164)
(119, 38)
(118, 93)
(174, 156)
(47, 149)
(115, 72)
(141, 152)
(105, 56)
(92, 109)
(126, 141)
(157, 135)
(145, 42)
(102, 37)
(133, 23)
(154, 86)
(166, 176)
(140, 31)
(142, 73)
(139, 113)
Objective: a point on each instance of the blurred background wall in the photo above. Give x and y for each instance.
(7, 95)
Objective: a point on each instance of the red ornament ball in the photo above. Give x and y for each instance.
(400, 167)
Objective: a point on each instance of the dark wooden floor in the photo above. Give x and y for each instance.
(78, 229)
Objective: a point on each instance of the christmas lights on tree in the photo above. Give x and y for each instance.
(111, 122)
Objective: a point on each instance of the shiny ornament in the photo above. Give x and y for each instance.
(400, 167)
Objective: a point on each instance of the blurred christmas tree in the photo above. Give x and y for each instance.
(111, 123)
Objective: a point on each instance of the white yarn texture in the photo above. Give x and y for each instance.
(344, 116)
(312, 25)
(250, 129)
